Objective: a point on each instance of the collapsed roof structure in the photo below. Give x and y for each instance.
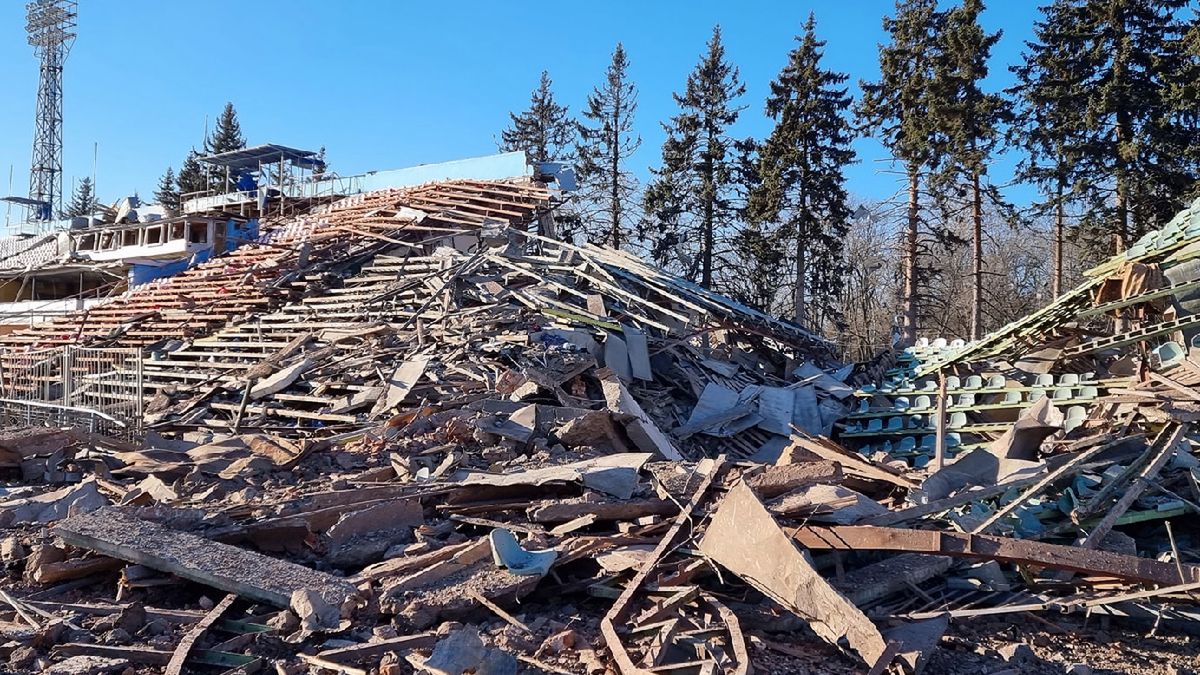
(405, 430)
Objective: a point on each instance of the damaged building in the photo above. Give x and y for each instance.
(391, 424)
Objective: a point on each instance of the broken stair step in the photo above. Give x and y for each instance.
(199, 364)
(150, 375)
(222, 341)
(287, 412)
(114, 532)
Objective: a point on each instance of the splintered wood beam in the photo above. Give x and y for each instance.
(988, 547)
(622, 608)
(1069, 468)
(179, 656)
(1170, 438)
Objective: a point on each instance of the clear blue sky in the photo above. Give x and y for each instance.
(386, 84)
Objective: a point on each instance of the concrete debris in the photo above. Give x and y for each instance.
(402, 431)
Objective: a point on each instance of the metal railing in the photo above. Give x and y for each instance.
(100, 390)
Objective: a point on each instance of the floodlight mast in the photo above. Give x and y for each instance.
(49, 24)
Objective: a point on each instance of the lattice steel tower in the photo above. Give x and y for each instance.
(49, 24)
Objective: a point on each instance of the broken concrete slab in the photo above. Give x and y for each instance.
(744, 538)
(644, 433)
(776, 480)
(112, 531)
(401, 383)
(87, 665)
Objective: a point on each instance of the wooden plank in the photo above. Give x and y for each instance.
(142, 655)
(622, 608)
(112, 531)
(989, 547)
(180, 655)
(373, 651)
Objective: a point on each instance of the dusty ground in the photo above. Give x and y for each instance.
(974, 648)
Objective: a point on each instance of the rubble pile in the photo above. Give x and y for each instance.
(448, 444)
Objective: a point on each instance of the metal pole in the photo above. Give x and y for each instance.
(939, 460)
(140, 393)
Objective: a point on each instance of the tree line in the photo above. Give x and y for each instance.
(191, 178)
(1103, 116)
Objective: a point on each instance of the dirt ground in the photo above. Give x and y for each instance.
(978, 647)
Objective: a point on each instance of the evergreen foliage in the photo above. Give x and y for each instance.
(800, 180)
(606, 142)
(83, 200)
(691, 209)
(167, 193)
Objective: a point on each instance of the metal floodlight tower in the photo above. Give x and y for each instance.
(49, 24)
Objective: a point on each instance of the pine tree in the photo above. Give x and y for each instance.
(606, 142)
(1140, 152)
(899, 106)
(800, 172)
(545, 131)
(1184, 88)
(690, 201)
(1051, 101)
(191, 175)
(83, 201)
(969, 124)
(226, 137)
(167, 195)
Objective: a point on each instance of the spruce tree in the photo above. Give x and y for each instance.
(1140, 152)
(167, 195)
(690, 203)
(191, 176)
(800, 174)
(899, 107)
(545, 131)
(1185, 85)
(969, 122)
(606, 142)
(226, 137)
(1050, 126)
(83, 200)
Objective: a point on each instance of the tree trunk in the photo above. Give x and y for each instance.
(976, 258)
(801, 280)
(1057, 278)
(1122, 234)
(1123, 131)
(908, 329)
(616, 184)
(710, 196)
(707, 254)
